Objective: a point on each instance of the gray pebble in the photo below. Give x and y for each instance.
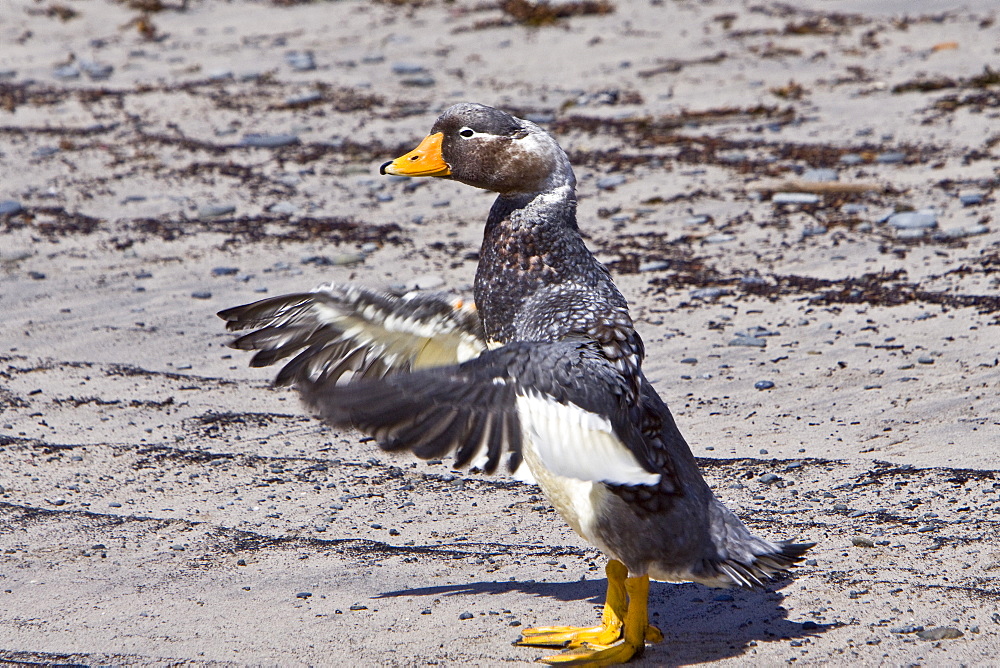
(425, 611)
(795, 198)
(303, 594)
(201, 294)
(971, 199)
(407, 68)
(820, 174)
(689, 360)
(225, 271)
(913, 220)
(215, 210)
(419, 82)
(220, 75)
(911, 234)
(301, 61)
(369, 247)
(96, 71)
(255, 140)
(177, 548)
(763, 385)
(358, 606)
(36, 275)
(861, 541)
(853, 209)
(654, 265)
(284, 209)
(813, 231)
(940, 633)
(10, 207)
(45, 151)
(851, 159)
(748, 341)
(720, 238)
(769, 478)
(696, 220)
(856, 513)
(925, 359)
(909, 628)
(890, 157)
(839, 506)
(610, 182)
(708, 293)
(71, 71)
(305, 98)
(57, 502)
(466, 615)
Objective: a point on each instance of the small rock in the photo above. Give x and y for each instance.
(284, 209)
(36, 275)
(839, 506)
(925, 359)
(763, 385)
(720, 238)
(813, 230)
(890, 157)
(708, 293)
(971, 199)
(300, 61)
(851, 209)
(96, 71)
(406, 69)
(303, 99)
(114, 504)
(425, 81)
(696, 220)
(654, 265)
(201, 294)
(769, 478)
(71, 71)
(820, 174)
(610, 182)
(225, 271)
(358, 606)
(466, 615)
(851, 159)
(57, 502)
(256, 140)
(861, 541)
(795, 198)
(689, 360)
(911, 234)
(10, 207)
(303, 594)
(940, 633)
(748, 341)
(913, 220)
(208, 211)
(909, 628)
(177, 548)
(425, 611)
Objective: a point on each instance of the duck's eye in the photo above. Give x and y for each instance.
(466, 132)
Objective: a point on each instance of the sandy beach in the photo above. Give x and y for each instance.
(798, 200)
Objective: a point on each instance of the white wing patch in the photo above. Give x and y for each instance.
(575, 443)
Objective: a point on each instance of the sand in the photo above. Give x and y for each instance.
(162, 504)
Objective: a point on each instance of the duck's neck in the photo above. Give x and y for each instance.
(531, 242)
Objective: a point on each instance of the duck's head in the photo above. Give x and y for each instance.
(487, 148)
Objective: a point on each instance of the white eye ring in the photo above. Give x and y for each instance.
(467, 132)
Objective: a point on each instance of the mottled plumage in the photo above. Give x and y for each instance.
(547, 369)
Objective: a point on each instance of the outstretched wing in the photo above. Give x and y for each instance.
(566, 397)
(336, 329)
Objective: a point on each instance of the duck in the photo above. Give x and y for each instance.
(543, 371)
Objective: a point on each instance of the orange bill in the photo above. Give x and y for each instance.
(424, 160)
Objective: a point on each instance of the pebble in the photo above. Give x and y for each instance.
(207, 211)
(940, 633)
(839, 506)
(851, 159)
(971, 199)
(959, 232)
(418, 82)
(358, 606)
(300, 61)
(9, 207)
(654, 265)
(225, 271)
(720, 238)
(36, 275)
(256, 140)
(466, 615)
(220, 75)
(909, 628)
(911, 234)
(913, 220)
(813, 230)
(404, 69)
(201, 294)
(696, 220)
(795, 198)
(861, 541)
(769, 478)
(820, 174)
(708, 293)
(610, 182)
(57, 502)
(303, 594)
(748, 341)
(114, 504)
(763, 385)
(890, 157)
(853, 209)
(71, 71)
(925, 359)
(284, 209)
(689, 360)
(369, 247)
(96, 71)
(305, 98)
